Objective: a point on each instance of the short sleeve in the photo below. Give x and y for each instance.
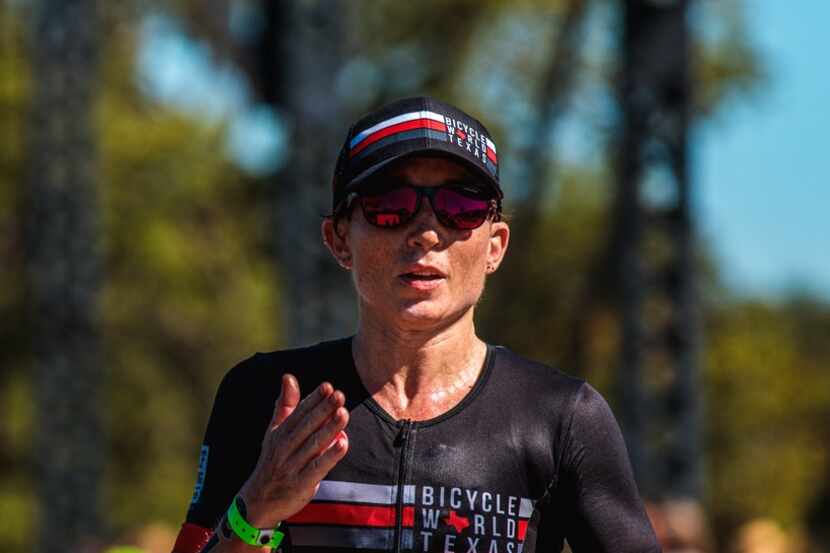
(230, 448)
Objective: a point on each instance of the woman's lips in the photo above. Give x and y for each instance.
(422, 281)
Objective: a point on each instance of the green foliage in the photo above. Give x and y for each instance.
(17, 502)
(14, 102)
(725, 66)
(548, 286)
(768, 399)
(16, 411)
(189, 291)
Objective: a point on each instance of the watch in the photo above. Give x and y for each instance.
(259, 537)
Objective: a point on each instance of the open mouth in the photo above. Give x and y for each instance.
(421, 277)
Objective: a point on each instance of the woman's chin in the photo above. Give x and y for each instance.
(415, 314)
(428, 314)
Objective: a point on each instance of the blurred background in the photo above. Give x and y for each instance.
(163, 168)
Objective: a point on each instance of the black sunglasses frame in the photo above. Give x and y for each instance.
(494, 209)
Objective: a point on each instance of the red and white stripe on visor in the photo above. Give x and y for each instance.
(398, 128)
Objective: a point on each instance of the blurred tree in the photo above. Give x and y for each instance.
(189, 289)
(318, 298)
(767, 376)
(819, 513)
(16, 411)
(63, 273)
(290, 58)
(652, 239)
(812, 320)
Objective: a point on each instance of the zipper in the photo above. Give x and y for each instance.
(402, 440)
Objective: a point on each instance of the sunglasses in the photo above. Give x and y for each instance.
(457, 206)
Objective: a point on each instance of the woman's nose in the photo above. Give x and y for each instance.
(425, 229)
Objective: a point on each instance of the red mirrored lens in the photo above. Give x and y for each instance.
(460, 211)
(390, 208)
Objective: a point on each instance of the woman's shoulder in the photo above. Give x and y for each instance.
(311, 365)
(544, 385)
(527, 372)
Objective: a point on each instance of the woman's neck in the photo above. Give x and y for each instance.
(418, 373)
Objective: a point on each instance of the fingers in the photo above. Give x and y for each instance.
(302, 430)
(287, 401)
(305, 441)
(321, 439)
(313, 407)
(317, 468)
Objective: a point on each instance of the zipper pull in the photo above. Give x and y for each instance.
(403, 435)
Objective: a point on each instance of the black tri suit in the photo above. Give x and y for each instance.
(529, 458)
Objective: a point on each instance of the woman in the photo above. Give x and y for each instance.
(416, 435)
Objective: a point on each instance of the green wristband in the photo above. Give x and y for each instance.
(249, 534)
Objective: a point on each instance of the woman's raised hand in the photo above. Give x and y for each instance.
(303, 442)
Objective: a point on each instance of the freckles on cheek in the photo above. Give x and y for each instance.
(371, 266)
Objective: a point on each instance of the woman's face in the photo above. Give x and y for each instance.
(421, 274)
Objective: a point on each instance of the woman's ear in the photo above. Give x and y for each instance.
(334, 234)
(499, 238)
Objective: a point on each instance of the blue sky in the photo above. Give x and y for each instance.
(762, 169)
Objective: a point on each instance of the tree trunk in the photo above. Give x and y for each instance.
(63, 273)
(318, 302)
(653, 234)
